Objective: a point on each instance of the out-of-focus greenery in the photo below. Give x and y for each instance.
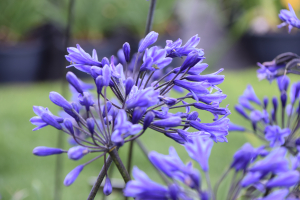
(92, 19)
(25, 176)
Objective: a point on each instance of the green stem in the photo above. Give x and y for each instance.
(117, 160)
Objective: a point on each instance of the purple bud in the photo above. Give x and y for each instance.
(241, 111)
(169, 122)
(105, 61)
(126, 50)
(95, 71)
(46, 151)
(193, 115)
(191, 60)
(76, 153)
(59, 100)
(107, 189)
(128, 85)
(266, 100)
(49, 119)
(90, 124)
(69, 125)
(73, 80)
(283, 99)
(149, 117)
(71, 177)
(148, 40)
(109, 106)
(99, 84)
(147, 65)
(137, 114)
(169, 101)
(283, 83)
(106, 75)
(86, 100)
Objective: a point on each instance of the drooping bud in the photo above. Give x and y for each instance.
(191, 60)
(46, 151)
(49, 119)
(126, 50)
(128, 85)
(106, 75)
(71, 177)
(74, 81)
(99, 84)
(76, 153)
(59, 100)
(69, 125)
(90, 124)
(107, 189)
(148, 40)
(149, 117)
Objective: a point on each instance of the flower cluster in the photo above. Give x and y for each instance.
(289, 18)
(101, 124)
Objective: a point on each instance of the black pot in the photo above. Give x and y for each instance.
(267, 47)
(20, 62)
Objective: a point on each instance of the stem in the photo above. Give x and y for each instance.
(220, 181)
(146, 152)
(99, 179)
(129, 161)
(117, 160)
(150, 76)
(150, 17)
(209, 185)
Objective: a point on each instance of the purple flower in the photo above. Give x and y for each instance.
(250, 95)
(295, 91)
(245, 103)
(289, 18)
(194, 87)
(76, 153)
(234, 127)
(59, 100)
(216, 97)
(148, 40)
(197, 69)
(192, 59)
(285, 179)
(41, 122)
(213, 78)
(71, 177)
(144, 188)
(215, 110)
(142, 98)
(199, 150)
(155, 59)
(283, 83)
(174, 49)
(278, 194)
(128, 85)
(137, 114)
(217, 129)
(99, 83)
(46, 151)
(168, 122)
(276, 135)
(149, 117)
(107, 189)
(251, 178)
(86, 100)
(126, 51)
(269, 70)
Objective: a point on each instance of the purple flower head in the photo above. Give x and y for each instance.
(46, 151)
(74, 81)
(107, 189)
(174, 49)
(149, 117)
(245, 155)
(59, 100)
(283, 83)
(155, 59)
(276, 135)
(142, 98)
(147, 41)
(199, 149)
(77, 152)
(289, 18)
(126, 51)
(274, 162)
(278, 194)
(218, 130)
(144, 188)
(80, 59)
(71, 177)
(286, 179)
(234, 127)
(250, 95)
(192, 59)
(270, 70)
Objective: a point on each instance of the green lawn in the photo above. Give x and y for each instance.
(24, 176)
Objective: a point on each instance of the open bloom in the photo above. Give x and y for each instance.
(289, 18)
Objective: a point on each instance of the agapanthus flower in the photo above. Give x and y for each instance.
(99, 124)
(289, 18)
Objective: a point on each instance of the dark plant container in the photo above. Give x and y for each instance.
(20, 62)
(267, 47)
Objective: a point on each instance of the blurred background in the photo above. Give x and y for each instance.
(235, 34)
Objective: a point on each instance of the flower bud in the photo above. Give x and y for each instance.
(73, 80)
(283, 99)
(128, 85)
(99, 84)
(47, 118)
(106, 75)
(69, 125)
(59, 100)
(191, 60)
(107, 189)
(193, 115)
(149, 117)
(95, 71)
(46, 151)
(126, 50)
(105, 61)
(90, 124)
(148, 40)
(86, 100)
(76, 153)
(137, 114)
(169, 122)
(71, 177)
(266, 101)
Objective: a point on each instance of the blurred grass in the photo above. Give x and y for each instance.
(24, 175)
